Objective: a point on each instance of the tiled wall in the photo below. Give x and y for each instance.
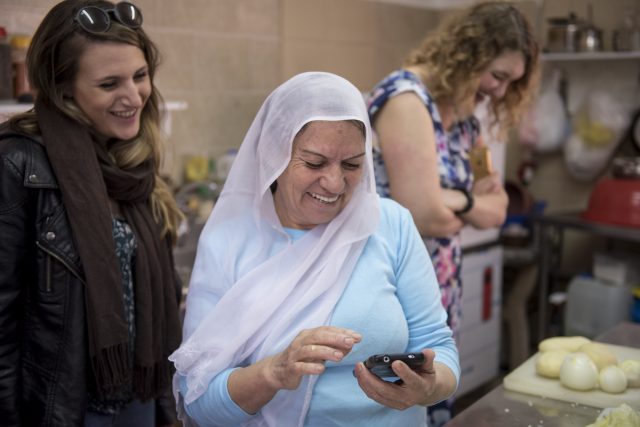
(220, 56)
(223, 57)
(359, 40)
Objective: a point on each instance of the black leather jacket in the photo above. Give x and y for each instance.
(43, 339)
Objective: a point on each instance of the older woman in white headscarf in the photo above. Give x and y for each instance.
(302, 272)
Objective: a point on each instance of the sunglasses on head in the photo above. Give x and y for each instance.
(94, 19)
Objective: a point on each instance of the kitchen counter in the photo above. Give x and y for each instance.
(502, 407)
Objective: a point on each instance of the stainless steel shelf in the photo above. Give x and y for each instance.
(12, 107)
(8, 108)
(590, 56)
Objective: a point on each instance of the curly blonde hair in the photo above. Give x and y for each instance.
(52, 63)
(455, 56)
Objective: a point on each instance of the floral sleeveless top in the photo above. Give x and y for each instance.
(455, 172)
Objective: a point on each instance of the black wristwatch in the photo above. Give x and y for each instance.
(469, 204)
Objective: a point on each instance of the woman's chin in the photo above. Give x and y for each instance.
(480, 98)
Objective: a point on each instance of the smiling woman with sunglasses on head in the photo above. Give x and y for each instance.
(88, 292)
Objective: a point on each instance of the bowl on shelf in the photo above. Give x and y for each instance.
(615, 201)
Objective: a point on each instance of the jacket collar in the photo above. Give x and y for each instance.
(37, 169)
(38, 172)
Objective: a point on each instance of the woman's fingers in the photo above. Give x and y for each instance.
(429, 358)
(308, 352)
(329, 336)
(319, 352)
(325, 343)
(383, 392)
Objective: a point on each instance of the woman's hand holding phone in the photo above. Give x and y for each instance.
(416, 387)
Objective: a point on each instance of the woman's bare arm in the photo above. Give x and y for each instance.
(407, 139)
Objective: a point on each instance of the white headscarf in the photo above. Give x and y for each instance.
(266, 298)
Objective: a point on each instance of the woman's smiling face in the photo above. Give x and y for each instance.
(112, 87)
(501, 72)
(325, 167)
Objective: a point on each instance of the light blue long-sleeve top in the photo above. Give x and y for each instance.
(393, 300)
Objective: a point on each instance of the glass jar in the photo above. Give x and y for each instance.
(6, 79)
(19, 46)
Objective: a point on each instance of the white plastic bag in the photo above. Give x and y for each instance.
(545, 125)
(597, 129)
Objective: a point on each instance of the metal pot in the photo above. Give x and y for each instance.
(626, 39)
(590, 36)
(590, 39)
(563, 34)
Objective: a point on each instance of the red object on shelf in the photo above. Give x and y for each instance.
(487, 293)
(615, 201)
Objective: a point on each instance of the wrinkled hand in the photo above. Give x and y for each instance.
(307, 354)
(488, 184)
(415, 388)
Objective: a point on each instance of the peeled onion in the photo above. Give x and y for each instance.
(549, 362)
(570, 344)
(631, 369)
(578, 372)
(612, 379)
(600, 353)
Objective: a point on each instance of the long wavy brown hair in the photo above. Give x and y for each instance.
(52, 63)
(455, 56)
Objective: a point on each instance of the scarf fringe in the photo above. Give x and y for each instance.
(111, 368)
(112, 374)
(148, 380)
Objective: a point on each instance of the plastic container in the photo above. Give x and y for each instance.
(224, 163)
(6, 79)
(19, 46)
(635, 311)
(594, 306)
(617, 269)
(615, 201)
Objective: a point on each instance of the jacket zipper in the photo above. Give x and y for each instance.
(48, 286)
(51, 254)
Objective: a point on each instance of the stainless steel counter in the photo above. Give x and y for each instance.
(504, 408)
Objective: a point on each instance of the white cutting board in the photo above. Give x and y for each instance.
(525, 380)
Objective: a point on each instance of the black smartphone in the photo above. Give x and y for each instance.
(380, 364)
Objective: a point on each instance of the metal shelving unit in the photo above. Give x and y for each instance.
(549, 226)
